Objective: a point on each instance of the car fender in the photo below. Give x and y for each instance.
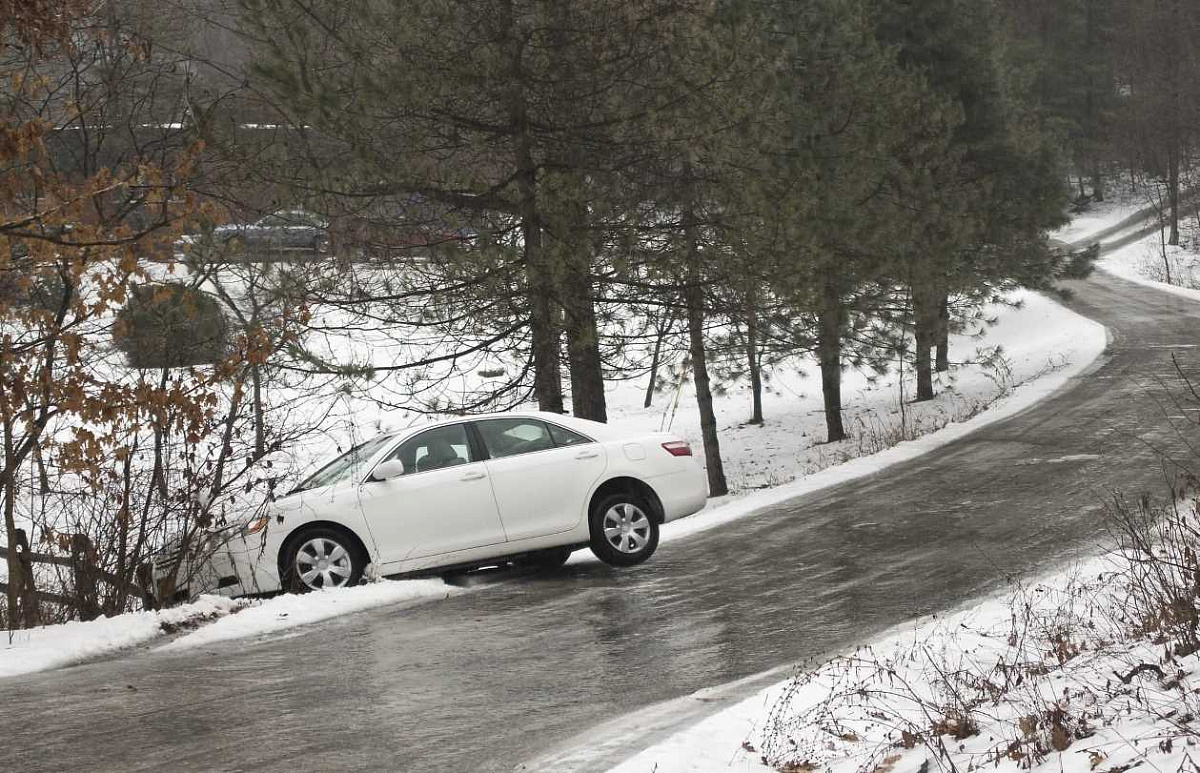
(631, 458)
(335, 504)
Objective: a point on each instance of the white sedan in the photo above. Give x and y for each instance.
(468, 492)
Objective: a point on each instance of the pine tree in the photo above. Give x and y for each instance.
(984, 206)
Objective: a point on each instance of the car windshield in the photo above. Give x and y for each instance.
(343, 466)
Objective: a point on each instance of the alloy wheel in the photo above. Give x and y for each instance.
(323, 563)
(626, 528)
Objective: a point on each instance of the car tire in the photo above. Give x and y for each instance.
(317, 556)
(624, 529)
(546, 560)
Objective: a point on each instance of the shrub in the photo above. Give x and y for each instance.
(170, 325)
(22, 290)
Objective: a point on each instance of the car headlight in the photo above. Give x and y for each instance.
(255, 526)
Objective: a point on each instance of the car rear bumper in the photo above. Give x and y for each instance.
(682, 493)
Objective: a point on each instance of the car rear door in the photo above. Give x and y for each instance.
(541, 473)
(442, 503)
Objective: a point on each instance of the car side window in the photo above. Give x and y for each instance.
(435, 449)
(567, 437)
(510, 437)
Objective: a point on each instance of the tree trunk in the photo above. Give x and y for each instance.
(656, 358)
(943, 335)
(925, 324)
(717, 485)
(755, 365)
(829, 354)
(539, 275)
(694, 298)
(583, 342)
(1166, 258)
(1092, 113)
(544, 330)
(160, 431)
(18, 611)
(39, 461)
(21, 593)
(115, 602)
(27, 593)
(260, 433)
(1173, 161)
(15, 576)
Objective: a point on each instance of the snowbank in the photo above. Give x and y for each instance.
(292, 610)
(214, 619)
(55, 646)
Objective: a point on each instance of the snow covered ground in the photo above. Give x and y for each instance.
(1053, 675)
(1031, 339)
(1031, 679)
(1100, 217)
(1151, 262)
(1048, 346)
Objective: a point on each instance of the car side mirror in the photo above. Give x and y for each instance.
(392, 468)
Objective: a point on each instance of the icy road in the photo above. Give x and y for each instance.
(514, 674)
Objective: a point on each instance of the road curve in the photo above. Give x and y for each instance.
(488, 680)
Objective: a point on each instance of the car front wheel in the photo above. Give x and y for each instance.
(319, 559)
(624, 533)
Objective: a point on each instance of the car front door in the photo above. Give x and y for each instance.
(442, 503)
(541, 474)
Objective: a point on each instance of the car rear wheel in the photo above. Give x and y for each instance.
(624, 530)
(323, 558)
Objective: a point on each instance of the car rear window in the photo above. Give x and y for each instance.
(567, 437)
(510, 437)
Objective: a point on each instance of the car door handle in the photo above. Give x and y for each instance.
(587, 454)
(474, 476)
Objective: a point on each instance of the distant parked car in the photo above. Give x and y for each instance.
(288, 230)
(468, 492)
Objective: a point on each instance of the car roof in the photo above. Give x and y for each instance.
(592, 429)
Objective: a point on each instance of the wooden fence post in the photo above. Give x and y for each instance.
(87, 598)
(145, 580)
(27, 588)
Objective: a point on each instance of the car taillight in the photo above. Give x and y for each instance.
(678, 448)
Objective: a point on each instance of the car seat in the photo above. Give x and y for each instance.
(440, 453)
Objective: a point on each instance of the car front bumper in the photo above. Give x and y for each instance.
(246, 566)
(217, 563)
